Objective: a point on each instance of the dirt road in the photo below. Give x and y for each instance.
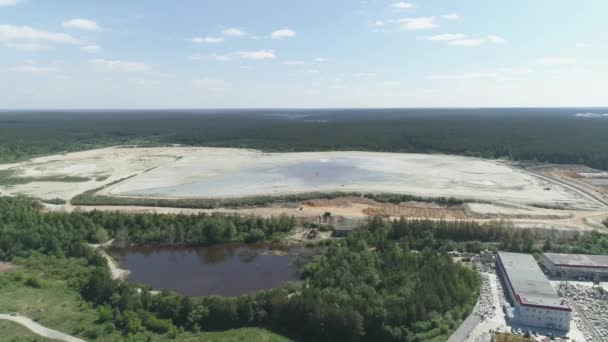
(39, 329)
(569, 184)
(115, 270)
(579, 220)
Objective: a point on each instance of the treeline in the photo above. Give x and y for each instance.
(24, 227)
(365, 288)
(369, 286)
(356, 291)
(90, 198)
(517, 134)
(472, 237)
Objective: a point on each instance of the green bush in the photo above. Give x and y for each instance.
(255, 235)
(35, 282)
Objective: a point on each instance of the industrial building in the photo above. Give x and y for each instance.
(575, 265)
(535, 302)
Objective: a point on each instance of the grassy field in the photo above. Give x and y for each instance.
(91, 198)
(43, 289)
(244, 334)
(13, 332)
(8, 177)
(39, 289)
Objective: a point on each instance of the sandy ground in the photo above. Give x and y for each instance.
(5, 266)
(102, 166)
(39, 329)
(360, 210)
(210, 172)
(184, 172)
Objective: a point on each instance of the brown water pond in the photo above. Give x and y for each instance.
(225, 270)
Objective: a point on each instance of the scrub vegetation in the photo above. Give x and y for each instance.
(91, 198)
(8, 177)
(547, 135)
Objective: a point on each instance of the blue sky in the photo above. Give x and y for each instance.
(338, 53)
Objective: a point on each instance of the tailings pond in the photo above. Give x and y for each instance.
(225, 270)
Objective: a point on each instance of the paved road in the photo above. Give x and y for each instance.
(583, 190)
(39, 329)
(465, 329)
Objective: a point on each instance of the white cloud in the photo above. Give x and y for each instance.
(422, 23)
(144, 82)
(378, 23)
(402, 5)
(28, 47)
(515, 71)
(233, 32)
(18, 34)
(466, 42)
(451, 16)
(314, 71)
(117, 65)
(548, 61)
(211, 84)
(207, 40)
(321, 60)
(29, 69)
(365, 74)
(9, 2)
(258, 55)
(91, 48)
(81, 24)
(447, 37)
(496, 39)
(582, 45)
(214, 57)
(283, 33)
(295, 63)
(466, 76)
(391, 83)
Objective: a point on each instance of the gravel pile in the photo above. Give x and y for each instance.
(590, 306)
(485, 304)
(485, 337)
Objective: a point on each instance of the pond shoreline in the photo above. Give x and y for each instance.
(229, 269)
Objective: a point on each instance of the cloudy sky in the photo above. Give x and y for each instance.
(314, 53)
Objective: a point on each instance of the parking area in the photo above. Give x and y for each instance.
(589, 304)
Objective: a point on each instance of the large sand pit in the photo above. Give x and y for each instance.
(198, 172)
(223, 173)
(100, 167)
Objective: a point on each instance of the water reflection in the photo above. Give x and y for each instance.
(227, 269)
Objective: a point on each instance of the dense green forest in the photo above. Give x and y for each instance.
(364, 300)
(549, 135)
(388, 281)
